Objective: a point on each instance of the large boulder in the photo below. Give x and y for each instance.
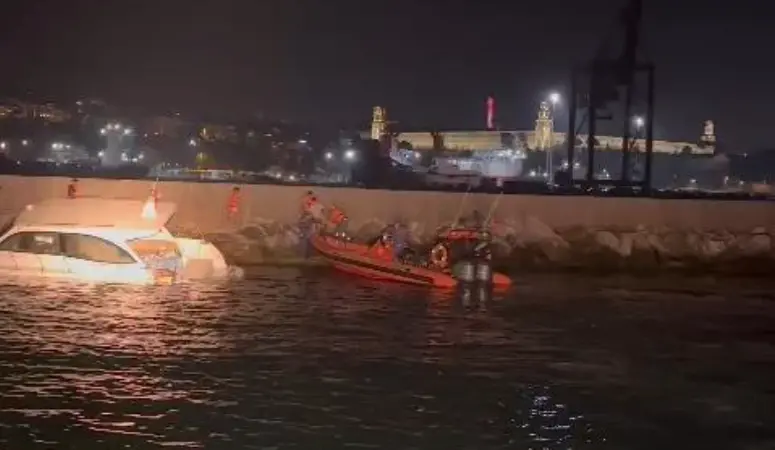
(533, 242)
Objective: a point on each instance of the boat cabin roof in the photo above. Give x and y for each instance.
(95, 213)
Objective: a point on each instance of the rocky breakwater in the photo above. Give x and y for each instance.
(524, 242)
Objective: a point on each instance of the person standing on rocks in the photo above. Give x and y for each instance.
(72, 188)
(233, 204)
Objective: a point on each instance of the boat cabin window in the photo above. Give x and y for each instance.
(92, 248)
(42, 243)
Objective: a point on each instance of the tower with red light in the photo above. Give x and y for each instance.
(490, 113)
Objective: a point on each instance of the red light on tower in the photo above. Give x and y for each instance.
(490, 113)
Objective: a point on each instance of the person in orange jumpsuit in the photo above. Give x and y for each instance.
(308, 202)
(232, 206)
(72, 188)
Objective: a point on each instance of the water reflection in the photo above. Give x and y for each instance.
(295, 359)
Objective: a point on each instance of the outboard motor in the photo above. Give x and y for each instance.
(484, 272)
(483, 257)
(466, 271)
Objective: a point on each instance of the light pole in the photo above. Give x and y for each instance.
(554, 100)
(638, 122)
(114, 133)
(350, 157)
(630, 163)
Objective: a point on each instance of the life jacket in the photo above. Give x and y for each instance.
(308, 202)
(383, 250)
(337, 216)
(233, 205)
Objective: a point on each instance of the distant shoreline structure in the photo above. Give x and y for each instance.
(482, 140)
(542, 138)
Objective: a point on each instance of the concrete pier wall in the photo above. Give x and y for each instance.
(533, 230)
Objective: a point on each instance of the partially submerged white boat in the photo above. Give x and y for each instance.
(106, 241)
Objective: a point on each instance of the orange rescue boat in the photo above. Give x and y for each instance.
(362, 260)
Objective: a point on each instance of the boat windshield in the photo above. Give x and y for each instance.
(150, 250)
(6, 226)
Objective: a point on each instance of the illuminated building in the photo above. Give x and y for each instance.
(50, 113)
(47, 112)
(6, 111)
(378, 123)
(524, 153)
(118, 139)
(539, 139)
(165, 126)
(219, 133)
(62, 152)
(544, 131)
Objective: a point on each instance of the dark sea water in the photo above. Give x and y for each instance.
(312, 360)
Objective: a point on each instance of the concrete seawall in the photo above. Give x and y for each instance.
(533, 231)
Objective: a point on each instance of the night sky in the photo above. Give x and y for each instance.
(431, 63)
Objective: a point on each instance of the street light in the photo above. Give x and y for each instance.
(638, 122)
(329, 156)
(554, 100)
(349, 155)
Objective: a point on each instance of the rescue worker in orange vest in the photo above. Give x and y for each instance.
(383, 247)
(309, 220)
(232, 206)
(72, 188)
(338, 220)
(308, 202)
